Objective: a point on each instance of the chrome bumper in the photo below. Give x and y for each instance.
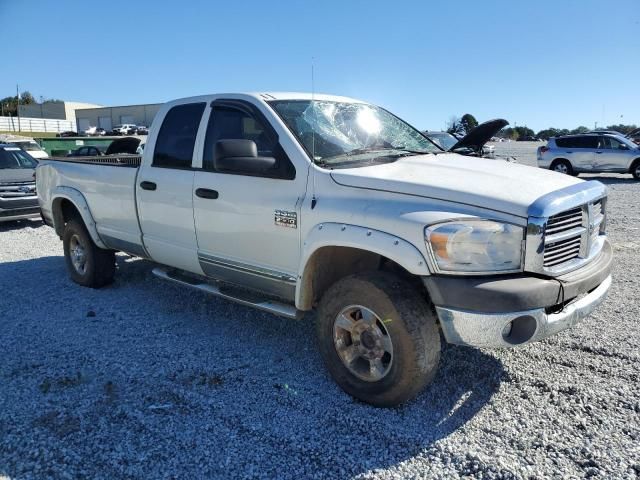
(516, 328)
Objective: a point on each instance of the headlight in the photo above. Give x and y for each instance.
(482, 246)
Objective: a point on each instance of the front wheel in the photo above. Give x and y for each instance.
(562, 166)
(88, 265)
(635, 170)
(378, 338)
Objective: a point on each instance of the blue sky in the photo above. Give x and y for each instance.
(540, 63)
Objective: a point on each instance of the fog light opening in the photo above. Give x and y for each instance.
(519, 330)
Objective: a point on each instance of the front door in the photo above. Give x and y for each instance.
(247, 225)
(164, 190)
(611, 155)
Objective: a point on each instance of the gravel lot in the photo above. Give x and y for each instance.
(144, 379)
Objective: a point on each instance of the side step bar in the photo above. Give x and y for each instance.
(271, 306)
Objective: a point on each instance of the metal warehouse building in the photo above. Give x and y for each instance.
(55, 109)
(107, 117)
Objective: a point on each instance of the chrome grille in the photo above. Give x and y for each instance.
(563, 237)
(566, 229)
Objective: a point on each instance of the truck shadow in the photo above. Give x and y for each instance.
(238, 380)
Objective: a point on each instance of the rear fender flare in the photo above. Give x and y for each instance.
(78, 201)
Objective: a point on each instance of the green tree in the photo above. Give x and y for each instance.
(468, 122)
(9, 105)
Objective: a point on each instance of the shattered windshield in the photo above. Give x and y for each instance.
(336, 133)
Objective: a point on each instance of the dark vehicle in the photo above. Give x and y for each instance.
(634, 136)
(68, 133)
(18, 198)
(127, 145)
(86, 152)
(527, 138)
(142, 130)
(473, 143)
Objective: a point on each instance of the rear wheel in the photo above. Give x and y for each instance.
(87, 264)
(562, 166)
(378, 338)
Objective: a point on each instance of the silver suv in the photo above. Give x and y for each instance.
(591, 152)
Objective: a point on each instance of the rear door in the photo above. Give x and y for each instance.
(579, 150)
(247, 225)
(165, 189)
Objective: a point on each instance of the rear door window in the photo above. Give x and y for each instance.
(578, 142)
(177, 136)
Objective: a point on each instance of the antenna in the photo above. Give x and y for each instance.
(313, 106)
(314, 200)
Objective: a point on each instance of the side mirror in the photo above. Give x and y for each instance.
(240, 156)
(623, 146)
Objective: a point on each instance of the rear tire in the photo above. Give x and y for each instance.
(378, 338)
(562, 166)
(87, 264)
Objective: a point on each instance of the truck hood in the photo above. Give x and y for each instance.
(495, 185)
(16, 175)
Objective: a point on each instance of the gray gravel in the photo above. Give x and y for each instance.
(143, 379)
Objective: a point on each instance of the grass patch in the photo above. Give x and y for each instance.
(30, 134)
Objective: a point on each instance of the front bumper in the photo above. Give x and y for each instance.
(523, 309)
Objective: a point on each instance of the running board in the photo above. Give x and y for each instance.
(271, 306)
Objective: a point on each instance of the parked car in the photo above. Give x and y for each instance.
(634, 136)
(18, 197)
(27, 144)
(95, 131)
(592, 153)
(89, 151)
(124, 129)
(294, 202)
(142, 130)
(473, 143)
(527, 138)
(68, 133)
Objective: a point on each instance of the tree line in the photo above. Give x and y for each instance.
(9, 105)
(464, 124)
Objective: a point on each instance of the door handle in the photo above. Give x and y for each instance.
(599, 153)
(206, 193)
(148, 185)
(569, 151)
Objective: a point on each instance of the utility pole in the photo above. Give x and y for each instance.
(18, 106)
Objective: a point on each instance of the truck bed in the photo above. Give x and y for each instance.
(107, 184)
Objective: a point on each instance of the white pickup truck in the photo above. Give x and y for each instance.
(294, 202)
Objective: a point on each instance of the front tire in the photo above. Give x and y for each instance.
(88, 265)
(378, 338)
(635, 169)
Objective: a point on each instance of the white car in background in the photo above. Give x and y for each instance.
(26, 144)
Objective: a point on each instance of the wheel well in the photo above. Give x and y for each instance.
(558, 160)
(63, 211)
(633, 164)
(327, 265)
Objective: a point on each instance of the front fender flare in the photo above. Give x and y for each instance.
(77, 199)
(330, 234)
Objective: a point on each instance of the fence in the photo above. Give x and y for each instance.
(10, 124)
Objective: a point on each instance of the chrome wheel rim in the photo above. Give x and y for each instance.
(363, 343)
(638, 171)
(561, 168)
(78, 254)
